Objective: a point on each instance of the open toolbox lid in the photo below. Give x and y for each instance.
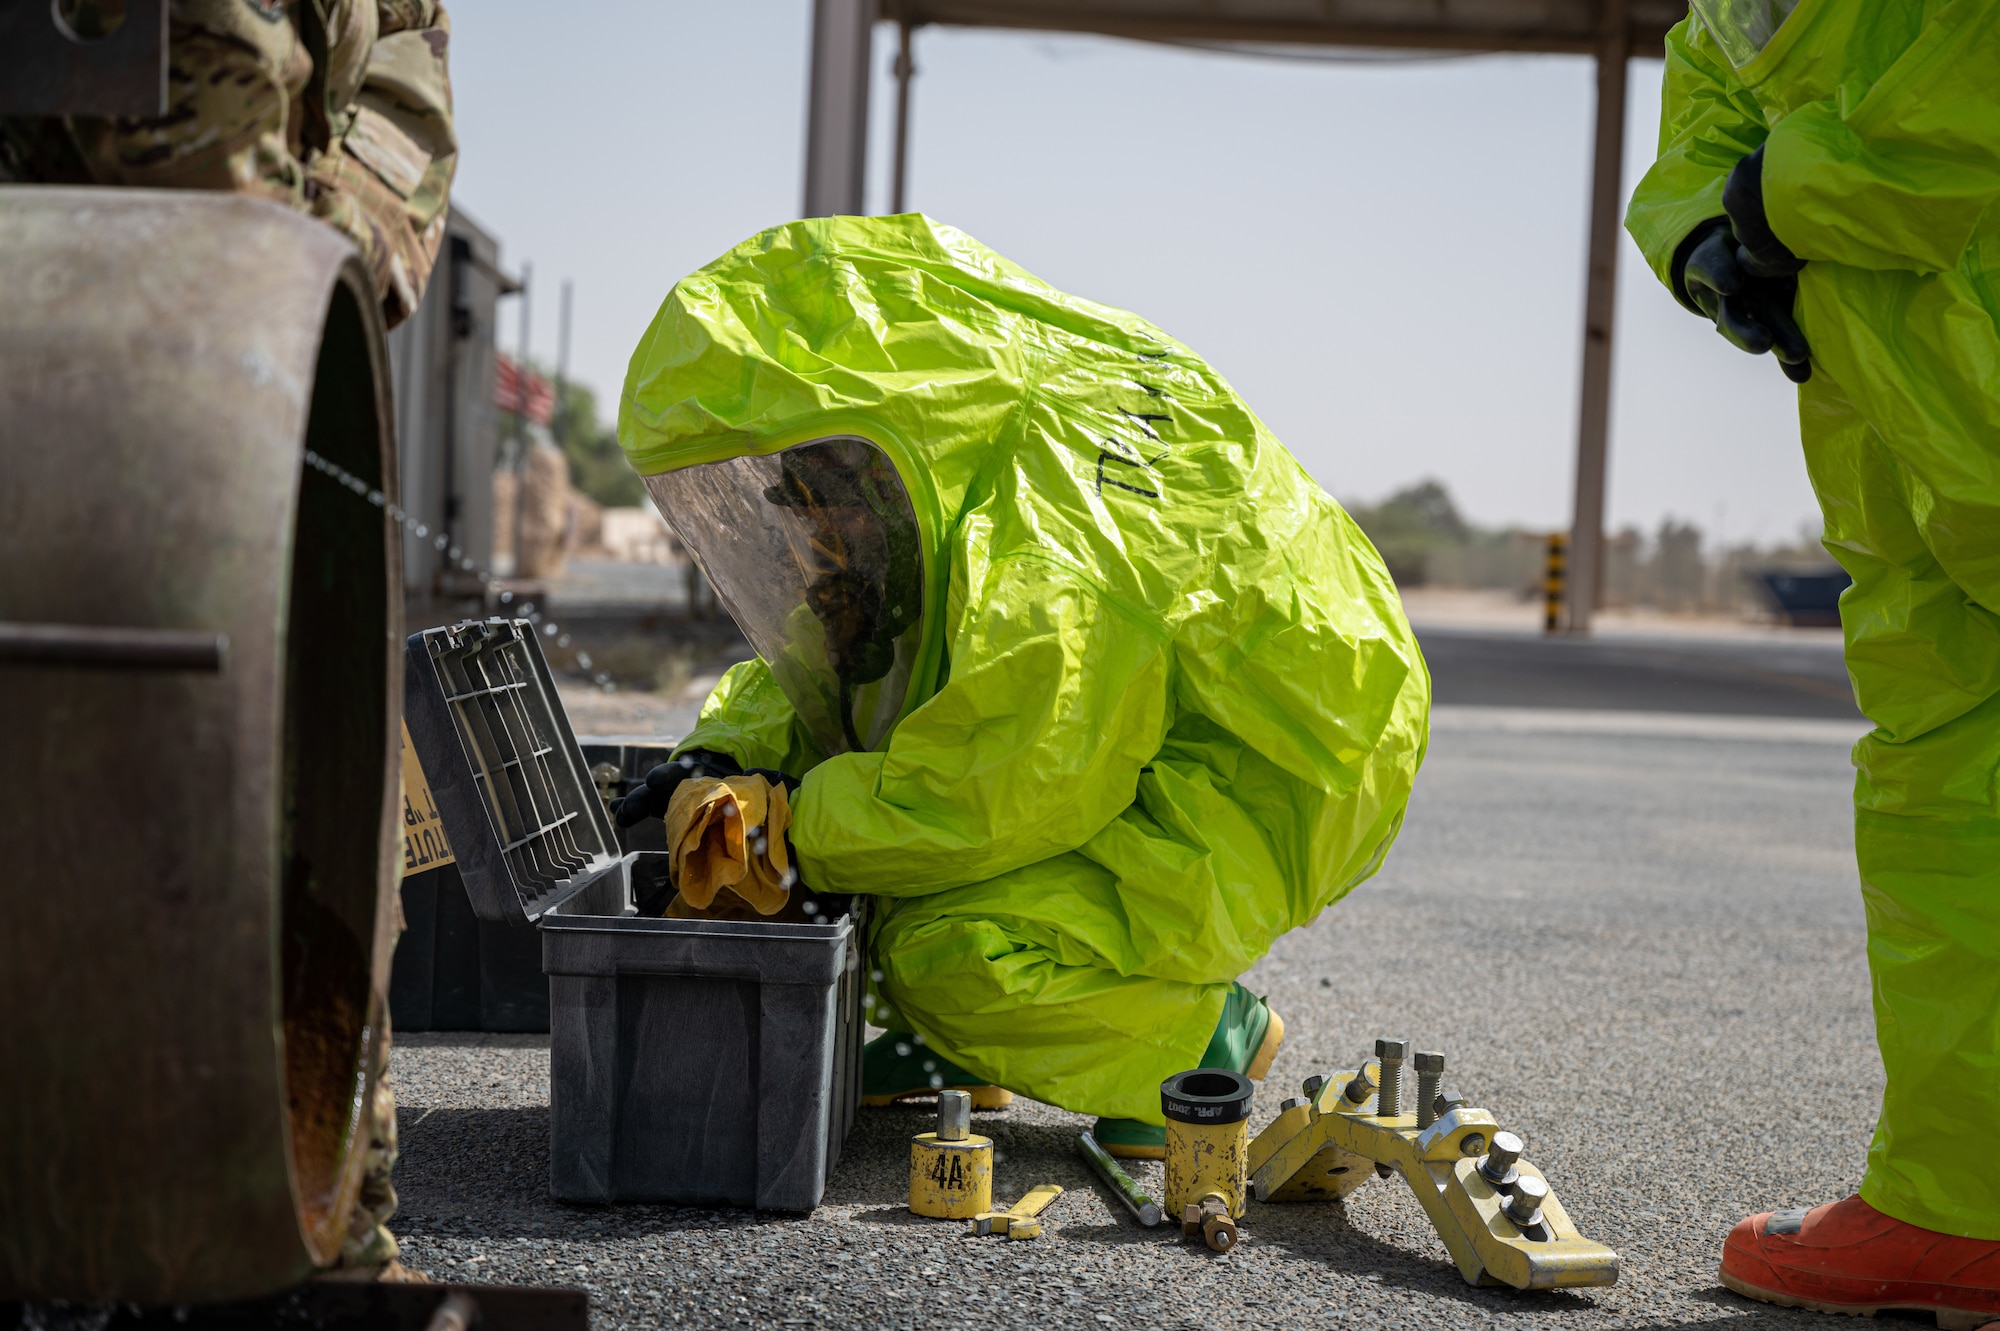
(520, 810)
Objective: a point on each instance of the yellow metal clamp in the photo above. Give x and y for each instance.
(1494, 1211)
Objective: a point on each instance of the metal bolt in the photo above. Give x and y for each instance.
(1430, 1068)
(1391, 1053)
(1472, 1143)
(1360, 1088)
(1524, 1208)
(954, 1116)
(1498, 1166)
(1313, 1086)
(1294, 1102)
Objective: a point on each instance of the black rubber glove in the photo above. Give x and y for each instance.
(1753, 312)
(776, 778)
(1758, 248)
(650, 800)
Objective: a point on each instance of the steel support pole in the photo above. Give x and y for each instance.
(837, 107)
(1586, 547)
(559, 418)
(521, 426)
(905, 67)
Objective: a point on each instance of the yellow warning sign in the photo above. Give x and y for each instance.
(424, 846)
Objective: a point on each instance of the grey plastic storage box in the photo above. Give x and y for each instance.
(690, 1061)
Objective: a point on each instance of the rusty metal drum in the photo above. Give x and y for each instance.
(199, 674)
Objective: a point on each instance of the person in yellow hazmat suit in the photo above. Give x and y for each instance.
(1071, 664)
(1828, 188)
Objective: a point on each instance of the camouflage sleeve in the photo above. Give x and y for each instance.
(234, 68)
(386, 181)
(349, 120)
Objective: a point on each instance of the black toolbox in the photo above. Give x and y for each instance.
(456, 972)
(618, 764)
(690, 1061)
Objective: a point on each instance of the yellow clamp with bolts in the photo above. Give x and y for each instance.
(1494, 1211)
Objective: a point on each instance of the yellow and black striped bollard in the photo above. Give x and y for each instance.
(1555, 580)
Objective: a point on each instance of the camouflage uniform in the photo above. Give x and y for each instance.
(339, 108)
(369, 1242)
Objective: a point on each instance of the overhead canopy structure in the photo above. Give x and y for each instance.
(1610, 30)
(1570, 26)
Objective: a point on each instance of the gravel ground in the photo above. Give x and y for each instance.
(1641, 952)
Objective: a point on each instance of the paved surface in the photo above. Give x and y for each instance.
(1641, 948)
(1798, 677)
(1770, 674)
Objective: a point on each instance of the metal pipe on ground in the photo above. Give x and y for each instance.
(200, 842)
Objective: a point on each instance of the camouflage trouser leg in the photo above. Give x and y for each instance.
(369, 1242)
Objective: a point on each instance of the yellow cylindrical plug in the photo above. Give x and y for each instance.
(1208, 1137)
(951, 1171)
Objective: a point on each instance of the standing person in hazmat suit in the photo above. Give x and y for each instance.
(1075, 668)
(1828, 187)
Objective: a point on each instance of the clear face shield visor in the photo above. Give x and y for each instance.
(1743, 28)
(816, 554)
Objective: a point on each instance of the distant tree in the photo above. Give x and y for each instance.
(1411, 523)
(597, 465)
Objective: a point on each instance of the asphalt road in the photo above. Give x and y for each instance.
(1729, 676)
(1639, 944)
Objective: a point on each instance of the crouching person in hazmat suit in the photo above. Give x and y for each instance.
(1828, 188)
(1073, 667)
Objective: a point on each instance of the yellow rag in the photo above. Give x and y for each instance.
(727, 835)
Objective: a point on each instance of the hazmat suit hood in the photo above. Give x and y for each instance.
(881, 359)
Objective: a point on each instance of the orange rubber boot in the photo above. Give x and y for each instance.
(1850, 1258)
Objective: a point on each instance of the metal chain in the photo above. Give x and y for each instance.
(548, 628)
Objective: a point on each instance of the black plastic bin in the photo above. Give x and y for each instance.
(691, 1061)
(456, 972)
(632, 758)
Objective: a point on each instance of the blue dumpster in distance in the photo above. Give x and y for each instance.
(1806, 600)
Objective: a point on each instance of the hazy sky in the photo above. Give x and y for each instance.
(1386, 259)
